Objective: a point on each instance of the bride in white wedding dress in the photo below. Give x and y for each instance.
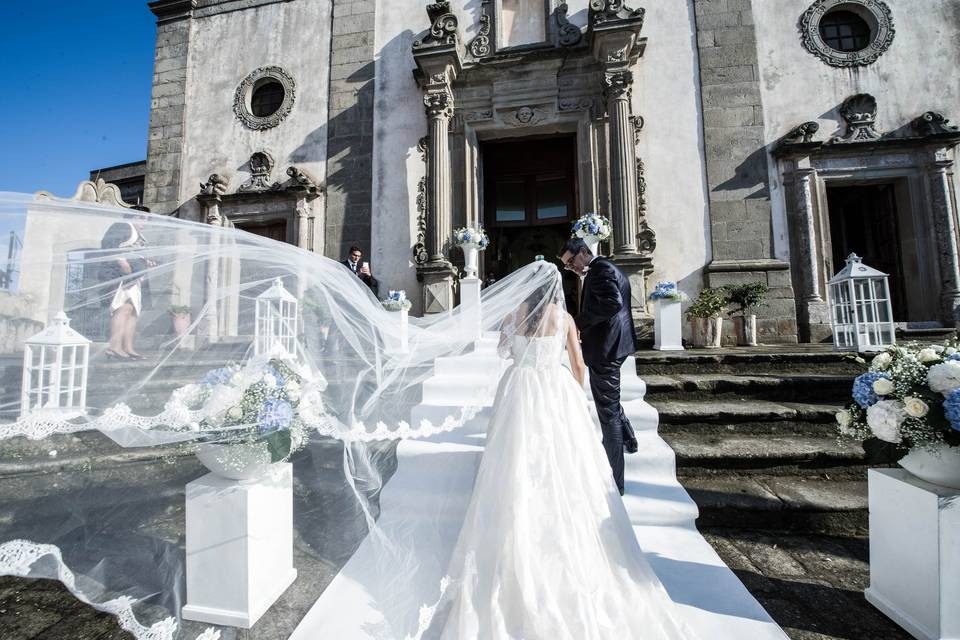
(547, 550)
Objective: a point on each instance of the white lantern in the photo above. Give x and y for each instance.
(860, 309)
(276, 321)
(55, 363)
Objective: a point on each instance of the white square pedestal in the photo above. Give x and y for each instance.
(470, 307)
(915, 553)
(667, 328)
(239, 546)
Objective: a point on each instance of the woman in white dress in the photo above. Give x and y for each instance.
(547, 550)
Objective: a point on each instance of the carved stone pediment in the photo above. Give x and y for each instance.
(261, 165)
(859, 112)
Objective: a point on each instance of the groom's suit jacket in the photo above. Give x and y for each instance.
(605, 322)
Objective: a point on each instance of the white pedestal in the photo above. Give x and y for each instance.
(398, 339)
(667, 329)
(470, 307)
(915, 553)
(239, 546)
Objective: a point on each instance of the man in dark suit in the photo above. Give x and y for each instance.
(362, 269)
(607, 336)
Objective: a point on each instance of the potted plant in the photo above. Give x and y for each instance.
(182, 317)
(471, 241)
(666, 318)
(705, 316)
(592, 228)
(746, 298)
(909, 400)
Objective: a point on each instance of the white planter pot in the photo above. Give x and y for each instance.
(940, 466)
(746, 330)
(245, 461)
(667, 327)
(706, 332)
(471, 254)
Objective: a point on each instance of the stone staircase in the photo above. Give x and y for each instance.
(753, 432)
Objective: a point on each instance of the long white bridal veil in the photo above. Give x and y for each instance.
(254, 353)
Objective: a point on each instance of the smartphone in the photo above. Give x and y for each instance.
(366, 265)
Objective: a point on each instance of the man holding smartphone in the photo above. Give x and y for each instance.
(362, 269)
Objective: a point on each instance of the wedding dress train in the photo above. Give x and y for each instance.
(547, 550)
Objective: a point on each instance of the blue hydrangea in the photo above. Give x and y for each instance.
(951, 409)
(863, 392)
(953, 356)
(275, 415)
(594, 228)
(217, 376)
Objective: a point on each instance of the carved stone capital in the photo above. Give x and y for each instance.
(618, 85)
(438, 104)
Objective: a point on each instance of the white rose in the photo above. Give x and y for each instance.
(236, 380)
(927, 355)
(235, 413)
(950, 351)
(938, 348)
(53, 453)
(292, 386)
(194, 426)
(944, 377)
(915, 407)
(881, 361)
(883, 386)
(844, 419)
(269, 380)
(884, 419)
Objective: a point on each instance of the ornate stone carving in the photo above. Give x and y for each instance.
(216, 185)
(244, 92)
(443, 27)
(438, 104)
(932, 123)
(860, 114)
(420, 254)
(618, 84)
(575, 104)
(480, 47)
(261, 164)
(881, 32)
(473, 116)
(602, 11)
(525, 116)
(646, 237)
(637, 122)
(803, 133)
(300, 179)
(570, 34)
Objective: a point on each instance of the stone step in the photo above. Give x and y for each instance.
(726, 412)
(712, 455)
(822, 505)
(773, 387)
(813, 359)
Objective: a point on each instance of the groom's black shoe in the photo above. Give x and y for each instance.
(630, 445)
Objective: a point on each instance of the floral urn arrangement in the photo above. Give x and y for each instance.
(592, 228)
(705, 314)
(181, 315)
(909, 400)
(471, 240)
(667, 299)
(247, 417)
(397, 301)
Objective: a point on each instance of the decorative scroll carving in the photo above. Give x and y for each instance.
(881, 32)
(480, 45)
(618, 84)
(216, 185)
(602, 11)
(646, 238)
(932, 123)
(443, 27)
(570, 34)
(803, 133)
(860, 114)
(241, 98)
(300, 179)
(261, 164)
(637, 122)
(420, 255)
(473, 116)
(575, 104)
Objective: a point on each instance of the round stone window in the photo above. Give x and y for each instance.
(264, 98)
(847, 33)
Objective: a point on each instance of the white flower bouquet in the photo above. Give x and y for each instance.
(591, 225)
(910, 397)
(397, 301)
(273, 401)
(470, 237)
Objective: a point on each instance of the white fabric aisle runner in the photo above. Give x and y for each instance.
(715, 604)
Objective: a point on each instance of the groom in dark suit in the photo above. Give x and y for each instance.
(607, 336)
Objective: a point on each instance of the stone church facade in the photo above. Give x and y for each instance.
(728, 140)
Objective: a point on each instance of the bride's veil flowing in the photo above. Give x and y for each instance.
(254, 352)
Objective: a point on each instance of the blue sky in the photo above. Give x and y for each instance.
(76, 92)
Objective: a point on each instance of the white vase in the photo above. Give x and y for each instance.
(937, 466)
(746, 330)
(667, 327)
(242, 461)
(471, 253)
(593, 243)
(706, 332)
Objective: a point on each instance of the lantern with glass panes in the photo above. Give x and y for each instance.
(276, 321)
(55, 364)
(860, 310)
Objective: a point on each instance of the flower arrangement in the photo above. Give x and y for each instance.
(268, 400)
(667, 290)
(180, 310)
(591, 224)
(468, 236)
(709, 304)
(746, 297)
(909, 397)
(397, 301)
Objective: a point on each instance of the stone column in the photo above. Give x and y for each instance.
(945, 220)
(808, 236)
(439, 107)
(623, 163)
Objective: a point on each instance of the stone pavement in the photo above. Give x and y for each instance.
(811, 585)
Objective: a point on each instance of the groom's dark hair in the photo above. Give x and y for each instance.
(574, 246)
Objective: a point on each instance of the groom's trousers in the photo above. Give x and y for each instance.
(605, 385)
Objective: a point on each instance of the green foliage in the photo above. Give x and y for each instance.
(181, 310)
(746, 297)
(709, 304)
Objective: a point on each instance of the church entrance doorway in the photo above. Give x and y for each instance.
(529, 197)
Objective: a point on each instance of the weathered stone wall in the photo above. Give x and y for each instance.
(741, 223)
